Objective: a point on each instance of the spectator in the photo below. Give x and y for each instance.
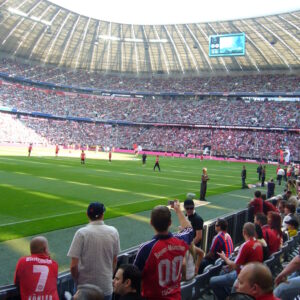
(269, 235)
(36, 275)
(222, 242)
(267, 205)
(274, 221)
(88, 292)
(292, 227)
(191, 262)
(127, 282)
(163, 253)
(263, 176)
(250, 251)
(256, 205)
(288, 289)
(255, 279)
(195, 219)
(259, 237)
(289, 212)
(94, 251)
(270, 188)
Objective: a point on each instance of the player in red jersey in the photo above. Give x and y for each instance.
(82, 157)
(29, 149)
(36, 275)
(109, 156)
(156, 163)
(56, 150)
(160, 259)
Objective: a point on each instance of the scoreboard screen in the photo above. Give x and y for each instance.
(227, 44)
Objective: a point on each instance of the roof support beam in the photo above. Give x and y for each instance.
(82, 41)
(267, 42)
(108, 48)
(188, 48)
(279, 38)
(163, 50)
(30, 30)
(68, 41)
(56, 36)
(43, 33)
(135, 50)
(247, 52)
(147, 41)
(174, 47)
(22, 19)
(199, 45)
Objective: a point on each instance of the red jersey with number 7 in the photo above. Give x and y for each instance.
(160, 261)
(36, 276)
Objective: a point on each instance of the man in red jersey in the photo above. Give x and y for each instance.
(256, 280)
(160, 260)
(269, 235)
(156, 163)
(256, 203)
(250, 251)
(36, 275)
(82, 157)
(29, 149)
(56, 150)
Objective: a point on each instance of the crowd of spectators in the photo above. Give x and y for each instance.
(216, 112)
(223, 142)
(85, 78)
(245, 270)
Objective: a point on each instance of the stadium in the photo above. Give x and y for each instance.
(217, 94)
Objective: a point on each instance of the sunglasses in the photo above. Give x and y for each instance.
(189, 207)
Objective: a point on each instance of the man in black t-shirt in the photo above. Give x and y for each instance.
(196, 221)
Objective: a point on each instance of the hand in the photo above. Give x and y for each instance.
(222, 255)
(176, 205)
(280, 278)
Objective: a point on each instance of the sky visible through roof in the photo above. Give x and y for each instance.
(156, 12)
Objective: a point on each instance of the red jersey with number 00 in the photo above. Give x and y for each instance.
(36, 276)
(161, 262)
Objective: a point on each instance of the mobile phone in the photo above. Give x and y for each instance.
(171, 203)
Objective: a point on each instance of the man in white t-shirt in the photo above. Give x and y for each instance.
(94, 251)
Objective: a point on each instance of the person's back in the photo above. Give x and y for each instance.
(160, 260)
(94, 251)
(36, 275)
(257, 203)
(162, 268)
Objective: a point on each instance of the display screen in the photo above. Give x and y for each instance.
(227, 44)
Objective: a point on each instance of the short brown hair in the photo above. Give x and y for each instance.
(161, 218)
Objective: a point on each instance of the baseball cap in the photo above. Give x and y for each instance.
(292, 222)
(95, 209)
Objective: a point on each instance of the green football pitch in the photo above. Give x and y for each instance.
(43, 193)
(49, 195)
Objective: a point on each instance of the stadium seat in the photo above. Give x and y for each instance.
(201, 284)
(187, 288)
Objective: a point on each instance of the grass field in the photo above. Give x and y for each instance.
(44, 193)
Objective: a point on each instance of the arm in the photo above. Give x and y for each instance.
(293, 266)
(200, 253)
(198, 236)
(74, 268)
(115, 263)
(232, 265)
(184, 223)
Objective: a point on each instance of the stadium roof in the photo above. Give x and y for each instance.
(42, 31)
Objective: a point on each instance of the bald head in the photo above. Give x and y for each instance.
(255, 279)
(39, 245)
